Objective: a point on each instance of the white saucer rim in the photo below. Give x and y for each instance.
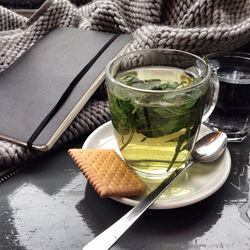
(172, 205)
(158, 204)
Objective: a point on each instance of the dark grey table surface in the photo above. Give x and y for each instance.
(50, 205)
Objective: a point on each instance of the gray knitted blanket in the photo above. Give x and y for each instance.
(199, 26)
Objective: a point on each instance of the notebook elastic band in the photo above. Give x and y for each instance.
(67, 92)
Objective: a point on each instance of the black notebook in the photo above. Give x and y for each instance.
(32, 86)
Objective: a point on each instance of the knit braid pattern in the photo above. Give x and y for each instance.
(198, 26)
(52, 14)
(10, 20)
(120, 15)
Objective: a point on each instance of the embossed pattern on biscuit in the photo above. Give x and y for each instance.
(107, 172)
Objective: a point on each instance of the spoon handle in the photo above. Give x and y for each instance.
(108, 237)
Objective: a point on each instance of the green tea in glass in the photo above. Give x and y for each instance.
(157, 100)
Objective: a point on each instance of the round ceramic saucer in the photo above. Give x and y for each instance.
(199, 182)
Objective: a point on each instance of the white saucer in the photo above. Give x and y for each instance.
(199, 182)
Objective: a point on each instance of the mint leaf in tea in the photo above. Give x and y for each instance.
(155, 78)
(156, 130)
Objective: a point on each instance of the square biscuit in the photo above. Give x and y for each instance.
(107, 172)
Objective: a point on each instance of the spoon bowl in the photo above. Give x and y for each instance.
(210, 147)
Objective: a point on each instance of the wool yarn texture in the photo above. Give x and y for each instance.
(197, 26)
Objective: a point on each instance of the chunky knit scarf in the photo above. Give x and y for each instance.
(199, 26)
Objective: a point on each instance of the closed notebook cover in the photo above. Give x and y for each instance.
(34, 83)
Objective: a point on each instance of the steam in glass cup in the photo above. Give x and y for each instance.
(158, 99)
(232, 112)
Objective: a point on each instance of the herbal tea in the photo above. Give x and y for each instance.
(156, 131)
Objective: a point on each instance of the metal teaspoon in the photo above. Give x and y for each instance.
(207, 149)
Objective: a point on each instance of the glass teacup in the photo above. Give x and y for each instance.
(157, 100)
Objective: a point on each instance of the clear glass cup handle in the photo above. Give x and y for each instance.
(212, 97)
